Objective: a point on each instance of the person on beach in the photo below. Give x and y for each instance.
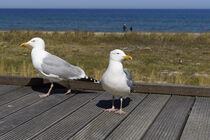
(131, 28)
(124, 28)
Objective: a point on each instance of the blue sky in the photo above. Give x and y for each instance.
(158, 4)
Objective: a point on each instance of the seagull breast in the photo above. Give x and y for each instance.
(114, 80)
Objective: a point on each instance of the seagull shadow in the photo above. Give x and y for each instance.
(105, 104)
(57, 89)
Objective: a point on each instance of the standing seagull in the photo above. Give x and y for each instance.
(50, 66)
(116, 80)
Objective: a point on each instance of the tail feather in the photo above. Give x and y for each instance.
(89, 79)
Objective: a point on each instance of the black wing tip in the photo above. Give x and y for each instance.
(89, 79)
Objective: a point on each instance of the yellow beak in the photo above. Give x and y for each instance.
(128, 57)
(24, 44)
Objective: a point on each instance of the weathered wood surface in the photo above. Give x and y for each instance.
(49, 117)
(170, 122)
(80, 115)
(76, 120)
(198, 124)
(10, 122)
(14, 94)
(170, 89)
(104, 124)
(5, 88)
(18, 104)
(138, 122)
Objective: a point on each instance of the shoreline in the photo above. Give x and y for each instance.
(99, 33)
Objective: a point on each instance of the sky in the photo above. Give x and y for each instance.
(118, 4)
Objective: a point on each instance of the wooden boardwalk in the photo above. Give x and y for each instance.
(80, 115)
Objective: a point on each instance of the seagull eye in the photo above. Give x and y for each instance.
(33, 41)
(118, 53)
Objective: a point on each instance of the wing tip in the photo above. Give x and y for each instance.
(89, 79)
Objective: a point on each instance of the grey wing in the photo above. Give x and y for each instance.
(129, 80)
(54, 65)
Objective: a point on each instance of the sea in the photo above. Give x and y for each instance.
(106, 20)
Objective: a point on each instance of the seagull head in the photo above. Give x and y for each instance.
(35, 43)
(119, 55)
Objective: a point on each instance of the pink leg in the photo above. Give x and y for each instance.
(68, 91)
(120, 111)
(48, 93)
(113, 108)
(110, 109)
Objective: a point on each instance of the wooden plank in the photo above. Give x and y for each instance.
(103, 125)
(13, 95)
(36, 81)
(74, 122)
(136, 124)
(138, 88)
(49, 117)
(198, 124)
(169, 124)
(172, 89)
(24, 115)
(22, 81)
(7, 88)
(18, 104)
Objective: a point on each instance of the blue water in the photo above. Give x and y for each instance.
(105, 20)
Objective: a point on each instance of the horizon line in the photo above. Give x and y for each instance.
(119, 8)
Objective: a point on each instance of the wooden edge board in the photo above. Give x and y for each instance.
(139, 87)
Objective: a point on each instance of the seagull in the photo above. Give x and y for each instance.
(116, 80)
(52, 67)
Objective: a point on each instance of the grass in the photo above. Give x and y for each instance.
(179, 58)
